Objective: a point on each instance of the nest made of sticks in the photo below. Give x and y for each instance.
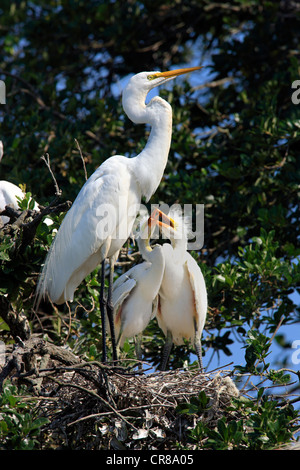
(91, 405)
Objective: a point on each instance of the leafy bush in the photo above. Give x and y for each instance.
(19, 423)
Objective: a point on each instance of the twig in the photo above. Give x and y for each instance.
(46, 159)
(257, 362)
(130, 408)
(214, 83)
(83, 162)
(277, 328)
(93, 394)
(17, 321)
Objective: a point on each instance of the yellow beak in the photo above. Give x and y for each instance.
(174, 73)
(161, 219)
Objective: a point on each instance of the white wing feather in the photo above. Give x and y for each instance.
(199, 289)
(135, 296)
(89, 231)
(126, 282)
(122, 291)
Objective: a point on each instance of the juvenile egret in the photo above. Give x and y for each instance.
(135, 293)
(102, 215)
(182, 304)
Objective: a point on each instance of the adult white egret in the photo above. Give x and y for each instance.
(102, 215)
(135, 293)
(182, 304)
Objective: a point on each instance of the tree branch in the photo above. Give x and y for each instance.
(17, 322)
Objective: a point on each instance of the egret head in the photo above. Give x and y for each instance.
(174, 226)
(149, 80)
(147, 226)
(136, 90)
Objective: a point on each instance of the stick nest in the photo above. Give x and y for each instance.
(91, 405)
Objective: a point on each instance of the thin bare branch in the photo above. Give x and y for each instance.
(46, 159)
(83, 162)
(214, 83)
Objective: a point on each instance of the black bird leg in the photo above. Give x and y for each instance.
(102, 302)
(198, 347)
(166, 351)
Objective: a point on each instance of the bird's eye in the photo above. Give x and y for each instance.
(151, 77)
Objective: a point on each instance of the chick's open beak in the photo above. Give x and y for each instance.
(160, 218)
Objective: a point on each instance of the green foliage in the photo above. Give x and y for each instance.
(20, 267)
(196, 405)
(235, 148)
(19, 425)
(245, 290)
(27, 202)
(247, 424)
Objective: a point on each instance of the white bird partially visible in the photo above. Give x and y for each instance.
(182, 304)
(101, 217)
(1, 150)
(9, 193)
(135, 293)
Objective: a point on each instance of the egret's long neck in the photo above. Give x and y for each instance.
(150, 164)
(179, 244)
(156, 258)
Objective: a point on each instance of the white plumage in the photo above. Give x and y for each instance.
(8, 196)
(9, 193)
(90, 231)
(1, 150)
(168, 285)
(109, 200)
(83, 240)
(182, 305)
(135, 293)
